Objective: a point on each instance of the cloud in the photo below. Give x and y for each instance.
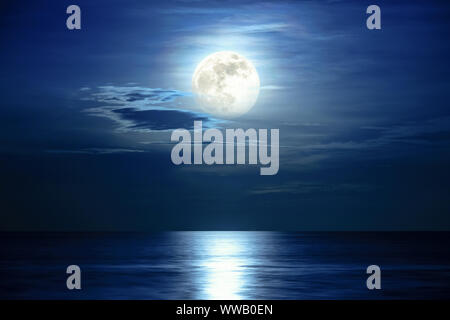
(309, 146)
(159, 119)
(302, 188)
(137, 108)
(433, 131)
(428, 132)
(136, 96)
(273, 87)
(256, 28)
(95, 151)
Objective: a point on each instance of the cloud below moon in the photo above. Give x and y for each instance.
(144, 109)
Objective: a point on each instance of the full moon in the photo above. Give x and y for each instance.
(226, 84)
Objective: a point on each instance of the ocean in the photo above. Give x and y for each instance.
(225, 265)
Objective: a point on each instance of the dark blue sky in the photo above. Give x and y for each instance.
(86, 116)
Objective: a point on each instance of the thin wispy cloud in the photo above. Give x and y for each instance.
(94, 151)
(306, 188)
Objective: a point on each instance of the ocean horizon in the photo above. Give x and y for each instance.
(224, 265)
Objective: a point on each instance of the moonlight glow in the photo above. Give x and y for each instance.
(226, 84)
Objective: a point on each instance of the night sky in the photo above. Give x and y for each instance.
(86, 116)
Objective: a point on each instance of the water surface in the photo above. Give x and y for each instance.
(225, 265)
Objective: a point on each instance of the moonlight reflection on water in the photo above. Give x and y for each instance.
(225, 265)
(224, 268)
